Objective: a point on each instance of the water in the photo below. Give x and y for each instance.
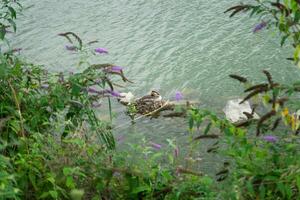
(168, 45)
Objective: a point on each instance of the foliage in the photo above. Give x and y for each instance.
(256, 168)
(53, 145)
(262, 154)
(8, 14)
(281, 14)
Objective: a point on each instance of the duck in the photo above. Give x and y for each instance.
(149, 103)
(154, 96)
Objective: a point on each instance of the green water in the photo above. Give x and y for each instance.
(168, 45)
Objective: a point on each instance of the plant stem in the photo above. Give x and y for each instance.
(110, 109)
(18, 107)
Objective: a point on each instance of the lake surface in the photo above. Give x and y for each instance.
(167, 45)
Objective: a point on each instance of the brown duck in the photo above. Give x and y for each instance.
(149, 103)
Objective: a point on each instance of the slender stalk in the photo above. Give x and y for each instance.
(18, 107)
(110, 108)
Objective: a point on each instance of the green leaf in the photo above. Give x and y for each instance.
(12, 11)
(296, 53)
(262, 192)
(207, 128)
(281, 189)
(283, 39)
(250, 188)
(51, 180)
(191, 123)
(13, 24)
(67, 171)
(32, 179)
(44, 195)
(297, 16)
(53, 194)
(2, 32)
(76, 194)
(298, 182)
(70, 182)
(141, 189)
(76, 89)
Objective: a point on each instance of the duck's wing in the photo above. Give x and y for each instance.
(146, 97)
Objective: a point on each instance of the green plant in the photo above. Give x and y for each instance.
(8, 10)
(284, 15)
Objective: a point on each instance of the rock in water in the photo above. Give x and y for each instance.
(234, 111)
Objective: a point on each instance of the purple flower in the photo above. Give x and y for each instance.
(155, 145)
(259, 26)
(114, 93)
(270, 138)
(101, 51)
(71, 48)
(178, 96)
(93, 90)
(116, 68)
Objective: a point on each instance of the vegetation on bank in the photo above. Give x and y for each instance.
(53, 145)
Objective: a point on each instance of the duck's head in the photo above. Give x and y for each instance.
(154, 93)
